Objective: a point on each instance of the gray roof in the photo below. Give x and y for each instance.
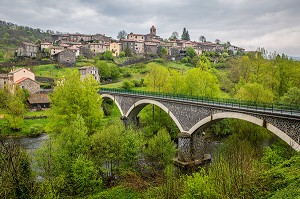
(38, 99)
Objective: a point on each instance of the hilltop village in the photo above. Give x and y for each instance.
(64, 48)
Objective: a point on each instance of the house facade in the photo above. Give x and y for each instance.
(66, 58)
(136, 37)
(98, 47)
(31, 85)
(27, 50)
(20, 73)
(56, 49)
(115, 48)
(89, 70)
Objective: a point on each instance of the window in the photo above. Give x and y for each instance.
(23, 87)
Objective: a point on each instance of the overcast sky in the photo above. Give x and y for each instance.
(273, 24)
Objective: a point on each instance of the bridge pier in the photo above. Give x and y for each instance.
(184, 147)
(191, 150)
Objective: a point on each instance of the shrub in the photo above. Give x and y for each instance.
(122, 54)
(127, 85)
(36, 130)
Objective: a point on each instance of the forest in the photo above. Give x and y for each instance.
(90, 154)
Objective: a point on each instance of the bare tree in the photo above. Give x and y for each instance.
(218, 41)
(174, 35)
(122, 34)
(202, 38)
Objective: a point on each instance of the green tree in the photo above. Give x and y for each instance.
(15, 108)
(204, 63)
(160, 150)
(201, 83)
(254, 92)
(108, 55)
(17, 179)
(63, 159)
(185, 35)
(292, 96)
(157, 77)
(127, 51)
(191, 52)
(116, 148)
(72, 97)
(175, 83)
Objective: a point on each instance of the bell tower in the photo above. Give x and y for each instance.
(153, 31)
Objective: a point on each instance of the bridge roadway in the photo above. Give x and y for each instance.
(195, 114)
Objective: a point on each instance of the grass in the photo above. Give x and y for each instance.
(51, 71)
(117, 192)
(178, 66)
(29, 128)
(37, 113)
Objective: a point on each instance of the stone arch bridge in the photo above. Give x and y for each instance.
(194, 114)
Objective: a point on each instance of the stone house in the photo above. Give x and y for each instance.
(66, 58)
(128, 43)
(89, 70)
(45, 45)
(27, 50)
(206, 46)
(56, 49)
(75, 50)
(29, 84)
(115, 48)
(150, 48)
(139, 47)
(22, 77)
(3, 80)
(235, 49)
(187, 44)
(98, 47)
(136, 37)
(79, 38)
(100, 38)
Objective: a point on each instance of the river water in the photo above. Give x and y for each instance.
(31, 144)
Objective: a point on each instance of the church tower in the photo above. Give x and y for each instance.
(153, 31)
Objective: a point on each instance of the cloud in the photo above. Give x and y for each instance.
(250, 24)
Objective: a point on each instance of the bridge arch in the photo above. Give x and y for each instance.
(113, 99)
(234, 115)
(139, 105)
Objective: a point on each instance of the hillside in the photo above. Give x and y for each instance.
(11, 35)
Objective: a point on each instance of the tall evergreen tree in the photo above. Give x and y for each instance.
(185, 35)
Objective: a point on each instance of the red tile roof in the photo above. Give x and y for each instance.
(23, 79)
